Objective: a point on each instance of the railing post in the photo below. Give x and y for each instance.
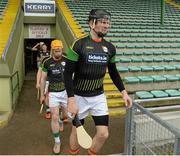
(162, 12)
(177, 146)
(128, 133)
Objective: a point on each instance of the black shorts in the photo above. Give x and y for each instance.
(98, 120)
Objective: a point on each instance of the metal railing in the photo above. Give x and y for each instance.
(14, 86)
(147, 134)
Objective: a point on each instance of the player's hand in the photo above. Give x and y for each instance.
(127, 99)
(72, 107)
(37, 86)
(42, 99)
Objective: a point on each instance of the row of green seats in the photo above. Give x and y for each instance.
(157, 94)
(153, 78)
(148, 46)
(147, 59)
(153, 68)
(145, 40)
(142, 53)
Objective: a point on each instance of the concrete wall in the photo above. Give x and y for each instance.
(5, 95)
(13, 63)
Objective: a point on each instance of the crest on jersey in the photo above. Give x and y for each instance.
(105, 49)
(63, 63)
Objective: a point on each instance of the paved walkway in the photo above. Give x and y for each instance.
(28, 132)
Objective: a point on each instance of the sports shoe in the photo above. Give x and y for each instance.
(74, 151)
(48, 115)
(57, 148)
(65, 120)
(90, 152)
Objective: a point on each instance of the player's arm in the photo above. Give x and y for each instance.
(35, 48)
(116, 78)
(71, 59)
(114, 74)
(43, 82)
(38, 78)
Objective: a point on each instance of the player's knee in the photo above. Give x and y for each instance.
(103, 135)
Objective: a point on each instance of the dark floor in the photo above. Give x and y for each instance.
(29, 132)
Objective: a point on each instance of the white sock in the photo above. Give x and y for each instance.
(57, 140)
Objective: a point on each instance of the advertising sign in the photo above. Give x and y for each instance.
(39, 8)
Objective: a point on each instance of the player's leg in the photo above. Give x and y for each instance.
(64, 116)
(54, 107)
(82, 114)
(99, 111)
(48, 111)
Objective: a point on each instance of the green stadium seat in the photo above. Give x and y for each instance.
(131, 80)
(158, 78)
(168, 59)
(157, 53)
(177, 59)
(146, 68)
(148, 53)
(169, 67)
(177, 67)
(122, 69)
(145, 79)
(119, 53)
(159, 93)
(138, 53)
(178, 75)
(134, 68)
(171, 77)
(158, 68)
(136, 60)
(114, 40)
(144, 95)
(128, 53)
(166, 53)
(116, 60)
(158, 59)
(175, 53)
(124, 60)
(148, 59)
(172, 92)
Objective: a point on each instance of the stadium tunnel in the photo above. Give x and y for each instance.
(18, 59)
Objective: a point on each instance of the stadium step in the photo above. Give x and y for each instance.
(110, 87)
(4, 118)
(115, 102)
(113, 94)
(117, 111)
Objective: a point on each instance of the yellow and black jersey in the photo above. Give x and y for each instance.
(54, 69)
(88, 60)
(42, 61)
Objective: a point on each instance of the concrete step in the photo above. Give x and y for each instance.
(4, 118)
(116, 102)
(113, 94)
(110, 87)
(121, 111)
